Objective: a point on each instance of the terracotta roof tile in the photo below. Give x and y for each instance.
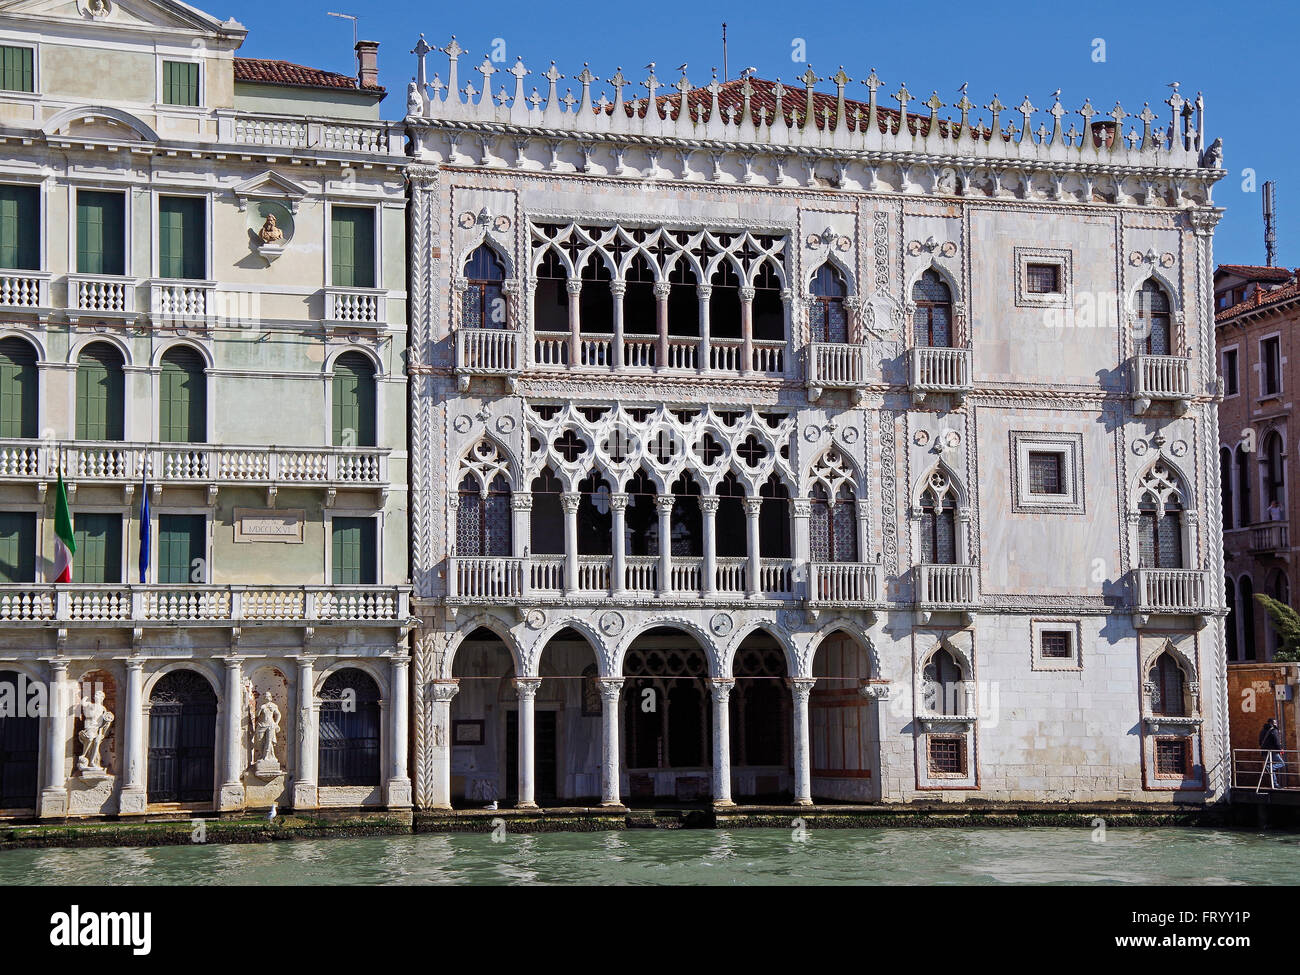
(1261, 298)
(1256, 272)
(272, 72)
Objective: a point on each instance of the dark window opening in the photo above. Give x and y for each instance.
(484, 302)
(547, 533)
(932, 321)
(827, 318)
(732, 522)
(551, 301)
(724, 303)
(774, 520)
(769, 309)
(596, 301)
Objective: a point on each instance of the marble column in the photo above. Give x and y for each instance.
(521, 528)
(133, 799)
(54, 794)
(801, 688)
(304, 782)
(233, 758)
(801, 514)
(664, 508)
(709, 570)
(721, 688)
(399, 779)
(570, 500)
(440, 694)
(753, 506)
(704, 292)
(618, 543)
(526, 690)
(618, 289)
(574, 289)
(864, 531)
(610, 687)
(661, 291)
(747, 329)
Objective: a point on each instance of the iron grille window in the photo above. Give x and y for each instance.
(938, 530)
(832, 528)
(1045, 472)
(828, 321)
(1160, 540)
(1043, 279)
(1153, 320)
(484, 304)
(1173, 757)
(182, 738)
(483, 520)
(1168, 700)
(1055, 644)
(932, 322)
(349, 729)
(947, 754)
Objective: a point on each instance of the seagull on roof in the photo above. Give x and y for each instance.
(1057, 93)
(962, 89)
(650, 66)
(749, 72)
(682, 67)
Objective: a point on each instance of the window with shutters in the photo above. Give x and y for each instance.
(100, 393)
(182, 397)
(1270, 364)
(1231, 380)
(20, 227)
(181, 549)
(353, 392)
(17, 547)
(101, 232)
(352, 247)
(18, 386)
(355, 555)
(932, 320)
(827, 317)
(17, 68)
(180, 83)
(1152, 321)
(99, 548)
(484, 302)
(1160, 520)
(182, 237)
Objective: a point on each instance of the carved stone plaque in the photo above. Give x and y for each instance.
(269, 525)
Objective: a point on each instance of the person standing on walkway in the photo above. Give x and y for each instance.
(1270, 742)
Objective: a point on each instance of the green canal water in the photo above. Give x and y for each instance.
(671, 857)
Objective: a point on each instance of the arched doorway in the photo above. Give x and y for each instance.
(480, 771)
(566, 723)
(20, 740)
(844, 740)
(761, 721)
(667, 718)
(182, 738)
(349, 729)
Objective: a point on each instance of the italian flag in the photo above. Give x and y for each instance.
(65, 544)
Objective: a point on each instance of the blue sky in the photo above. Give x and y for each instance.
(1244, 62)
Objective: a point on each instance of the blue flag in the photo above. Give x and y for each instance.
(144, 528)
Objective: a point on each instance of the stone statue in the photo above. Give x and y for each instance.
(1212, 158)
(94, 728)
(414, 103)
(270, 232)
(268, 730)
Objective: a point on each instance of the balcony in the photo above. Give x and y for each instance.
(486, 352)
(946, 589)
(843, 584)
(1173, 592)
(679, 355)
(197, 605)
(835, 365)
(356, 308)
(287, 132)
(1270, 538)
(25, 291)
(101, 296)
(269, 467)
(179, 303)
(938, 370)
(1166, 378)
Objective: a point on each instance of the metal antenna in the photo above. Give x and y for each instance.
(724, 52)
(354, 24)
(1270, 223)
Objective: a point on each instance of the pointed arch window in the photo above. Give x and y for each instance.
(596, 302)
(547, 534)
(1169, 698)
(732, 525)
(551, 300)
(595, 518)
(827, 319)
(769, 309)
(1153, 333)
(1274, 476)
(774, 519)
(932, 322)
(483, 517)
(943, 692)
(641, 521)
(640, 315)
(1160, 520)
(1248, 650)
(833, 529)
(484, 304)
(684, 300)
(939, 522)
(1230, 622)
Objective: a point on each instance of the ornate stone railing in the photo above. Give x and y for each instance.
(594, 573)
(731, 574)
(288, 132)
(776, 577)
(599, 351)
(769, 356)
(843, 584)
(1177, 591)
(486, 578)
(641, 572)
(182, 301)
(260, 466)
(1162, 377)
(546, 573)
(487, 351)
(939, 370)
(836, 365)
(946, 587)
(24, 290)
(358, 307)
(1269, 537)
(38, 603)
(105, 294)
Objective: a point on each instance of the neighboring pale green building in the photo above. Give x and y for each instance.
(202, 298)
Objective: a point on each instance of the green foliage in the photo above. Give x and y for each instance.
(1287, 623)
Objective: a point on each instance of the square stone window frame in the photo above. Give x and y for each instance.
(963, 744)
(1070, 446)
(1063, 258)
(1038, 626)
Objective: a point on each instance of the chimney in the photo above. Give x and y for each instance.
(368, 64)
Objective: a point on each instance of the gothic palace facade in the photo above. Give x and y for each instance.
(792, 446)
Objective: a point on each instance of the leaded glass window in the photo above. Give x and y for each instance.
(484, 303)
(932, 322)
(1153, 320)
(827, 320)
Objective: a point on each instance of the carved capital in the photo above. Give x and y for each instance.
(520, 501)
(573, 287)
(661, 290)
(722, 688)
(442, 691)
(618, 288)
(618, 502)
(801, 507)
(610, 688)
(526, 687)
(802, 688)
(709, 503)
(705, 291)
(570, 501)
(754, 506)
(664, 504)
(747, 293)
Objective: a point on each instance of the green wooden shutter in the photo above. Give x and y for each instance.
(352, 247)
(17, 547)
(354, 401)
(180, 542)
(20, 225)
(100, 401)
(17, 389)
(99, 548)
(182, 397)
(181, 237)
(100, 233)
(16, 69)
(354, 551)
(180, 83)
